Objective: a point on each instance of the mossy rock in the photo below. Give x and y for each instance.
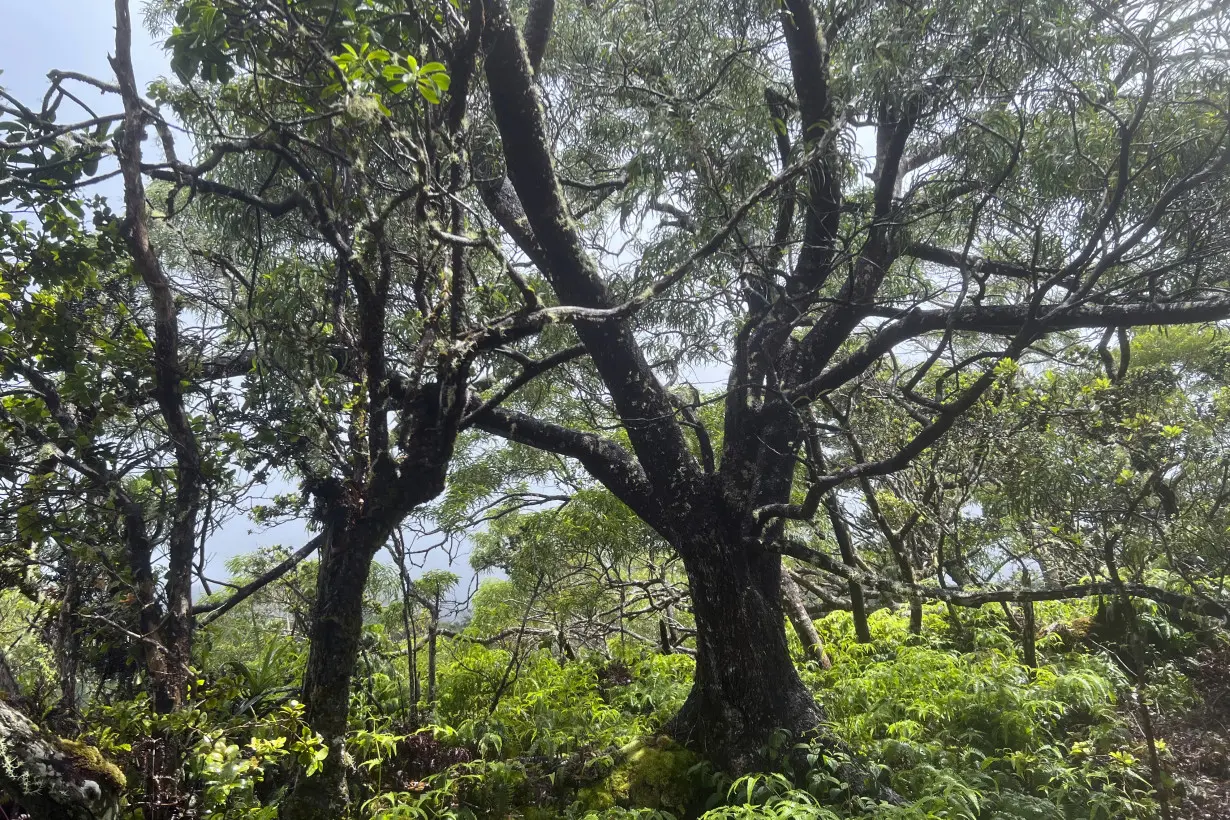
(659, 776)
(654, 773)
(88, 760)
(609, 792)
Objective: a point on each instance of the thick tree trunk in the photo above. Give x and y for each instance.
(746, 686)
(337, 629)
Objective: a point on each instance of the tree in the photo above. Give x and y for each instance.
(865, 217)
(1028, 181)
(339, 307)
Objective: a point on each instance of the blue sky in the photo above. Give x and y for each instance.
(37, 36)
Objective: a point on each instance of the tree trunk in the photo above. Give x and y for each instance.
(858, 604)
(412, 636)
(178, 625)
(433, 632)
(916, 613)
(10, 689)
(336, 631)
(1029, 627)
(746, 686)
(664, 638)
(66, 648)
(1029, 631)
(858, 609)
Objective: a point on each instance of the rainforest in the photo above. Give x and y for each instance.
(597, 409)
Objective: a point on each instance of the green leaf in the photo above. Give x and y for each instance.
(428, 90)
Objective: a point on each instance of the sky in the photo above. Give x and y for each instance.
(37, 36)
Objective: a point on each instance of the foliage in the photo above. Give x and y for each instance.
(442, 275)
(978, 734)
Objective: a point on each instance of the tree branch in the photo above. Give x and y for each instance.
(214, 611)
(642, 402)
(605, 460)
(913, 592)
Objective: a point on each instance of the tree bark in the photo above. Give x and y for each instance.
(337, 630)
(746, 686)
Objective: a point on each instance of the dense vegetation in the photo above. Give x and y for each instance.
(833, 399)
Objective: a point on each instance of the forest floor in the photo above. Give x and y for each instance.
(1199, 741)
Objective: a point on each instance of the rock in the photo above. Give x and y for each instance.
(54, 779)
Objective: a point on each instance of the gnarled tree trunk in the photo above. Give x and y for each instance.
(746, 686)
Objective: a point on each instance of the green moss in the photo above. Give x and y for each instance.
(611, 791)
(91, 761)
(655, 773)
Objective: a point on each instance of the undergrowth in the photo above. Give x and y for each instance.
(951, 720)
